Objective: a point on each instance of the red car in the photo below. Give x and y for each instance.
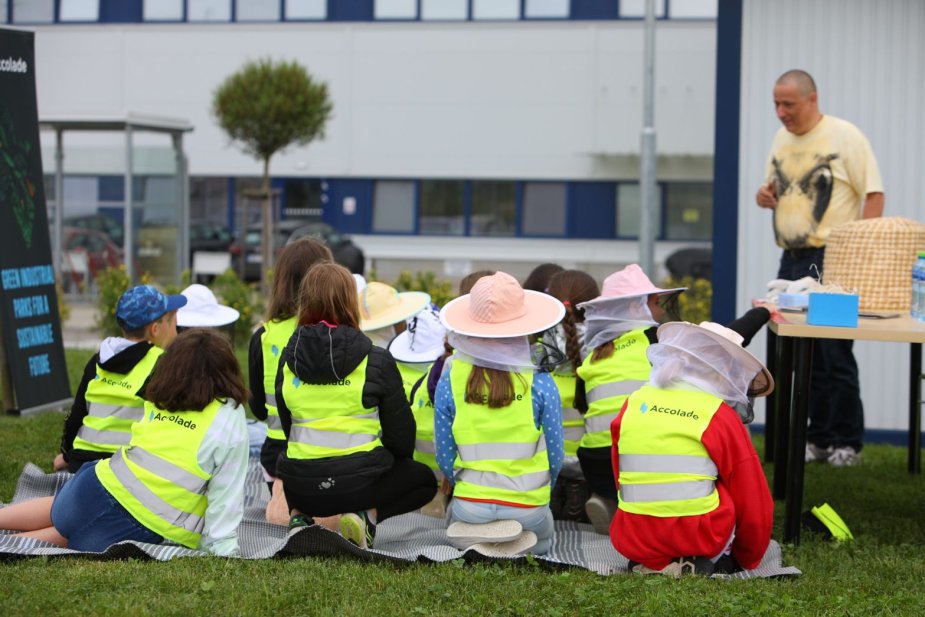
(87, 253)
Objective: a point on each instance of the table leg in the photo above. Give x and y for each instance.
(783, 384)
(803, 355)
(915, 408)
(770, 414)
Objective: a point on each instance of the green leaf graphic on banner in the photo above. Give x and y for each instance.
(15, 186)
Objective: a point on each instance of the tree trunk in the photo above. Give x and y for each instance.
(266, 232)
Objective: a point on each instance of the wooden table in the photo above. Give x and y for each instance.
(790, 353)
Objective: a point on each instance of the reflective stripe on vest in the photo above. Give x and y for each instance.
(147, 497)
(157, 478)
(273, 340)
(423, 410)
(113, 405)
(329, 420)
(573, 422)
(608, 382)
(665, 470)
(502, 453)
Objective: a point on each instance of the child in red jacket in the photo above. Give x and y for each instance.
(691, 488)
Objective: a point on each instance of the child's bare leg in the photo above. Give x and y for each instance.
(31, 515)
(49, 534)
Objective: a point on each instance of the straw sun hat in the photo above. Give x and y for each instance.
(730, 341)
(498, 307)
(202, 309)
(382, 305)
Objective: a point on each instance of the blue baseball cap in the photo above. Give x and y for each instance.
(143, 304)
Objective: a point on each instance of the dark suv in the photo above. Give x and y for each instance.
(248, 261)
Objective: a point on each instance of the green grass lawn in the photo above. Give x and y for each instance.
(882, 572)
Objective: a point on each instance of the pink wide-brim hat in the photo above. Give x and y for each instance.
(630, 282)
(498, 307)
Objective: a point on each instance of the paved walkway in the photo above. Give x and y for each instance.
(79, 331)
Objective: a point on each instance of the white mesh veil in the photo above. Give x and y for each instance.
(503, 354)
(696, 358)
(606, 320)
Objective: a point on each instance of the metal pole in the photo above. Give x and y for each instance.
(648, 214)
(127, 223)
(57, 249)
(183, 254)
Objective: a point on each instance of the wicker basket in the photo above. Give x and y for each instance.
(874, 258)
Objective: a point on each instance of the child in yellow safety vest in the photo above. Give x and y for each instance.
(566, 343)
(693, 496)
(107, 400)
(180, 477)
(497, 421)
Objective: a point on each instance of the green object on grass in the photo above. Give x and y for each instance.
(833, 522)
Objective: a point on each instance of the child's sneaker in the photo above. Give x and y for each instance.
(297, 521)
(463, 535)
(512, 548)
(816, 454)
(436, 507)
(600, 512)
(357, 529)
(845, 456)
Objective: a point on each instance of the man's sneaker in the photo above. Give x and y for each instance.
(678, 567)
(463, 535)
(358, 529)
(816, 454)
(300, 520)
(845, 456)
(600, 512)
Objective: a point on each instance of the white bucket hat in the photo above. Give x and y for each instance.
(422, 340)
(202, 309)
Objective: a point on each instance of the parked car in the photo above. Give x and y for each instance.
(86, 254)
(208, 236)
(99, 222)
(248, 260)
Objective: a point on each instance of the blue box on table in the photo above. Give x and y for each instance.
(826, 309)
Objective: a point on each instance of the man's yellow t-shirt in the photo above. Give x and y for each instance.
(821, 179)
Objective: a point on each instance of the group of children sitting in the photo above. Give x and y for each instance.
(509, 407)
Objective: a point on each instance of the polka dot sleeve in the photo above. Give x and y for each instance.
(547, 411)
(444, 413)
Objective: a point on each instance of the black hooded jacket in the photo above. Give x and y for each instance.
(318, 354)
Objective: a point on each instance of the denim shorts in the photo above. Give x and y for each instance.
(91, 519)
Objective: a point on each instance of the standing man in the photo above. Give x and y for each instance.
(821, 173)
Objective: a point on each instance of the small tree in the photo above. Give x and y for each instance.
(267, 107)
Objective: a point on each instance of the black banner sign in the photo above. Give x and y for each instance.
(28, 303)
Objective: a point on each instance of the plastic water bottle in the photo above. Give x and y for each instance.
(919, 286)
(914, 301)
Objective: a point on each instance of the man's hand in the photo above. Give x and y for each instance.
(60, 464)
(766, 197)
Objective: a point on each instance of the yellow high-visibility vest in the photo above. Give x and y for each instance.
(665, 470)
(276, 335)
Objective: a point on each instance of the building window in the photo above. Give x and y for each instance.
(543, 212)
(494, 209)
(547, 9)
(208, 199)
(257, 10)
(396, 9)
(393, 207)
(4, 15)
(445, 9)
(688, 211)
(163, 10)
(441, 208)
(697, 9)
(79, 10)
(208, 10)
(303, 197)
(306, 9)
(629, 198)
(33, 11)
(495, 9)
(637, 8)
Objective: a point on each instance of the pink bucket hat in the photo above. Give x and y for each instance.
(630, 282)
(498, 307)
